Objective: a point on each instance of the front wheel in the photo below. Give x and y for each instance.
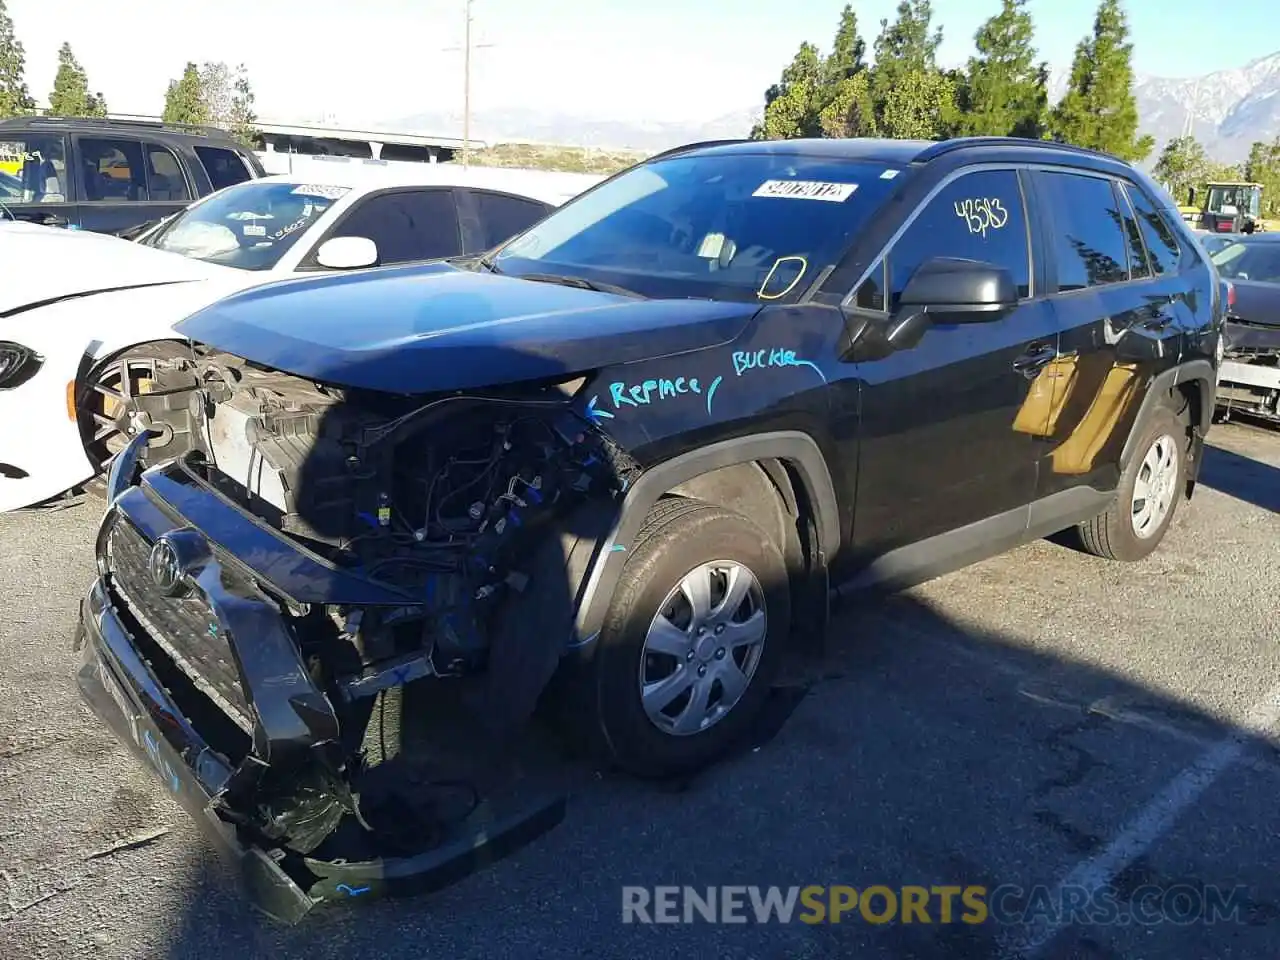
(692, 641)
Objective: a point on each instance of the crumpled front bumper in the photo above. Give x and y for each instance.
(132, 680)
(124, 693)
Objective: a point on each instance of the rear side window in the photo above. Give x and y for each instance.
(1088, 234)
(113, 170)
(978, 216)
(164, 176)
(1162, 242)
(502, 216)
(33, 169)
(1139, 269)
(407, 226)
(225, 167)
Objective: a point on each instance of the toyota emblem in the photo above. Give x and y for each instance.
(165, 566)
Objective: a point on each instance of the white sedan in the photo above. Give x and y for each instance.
(86, 316)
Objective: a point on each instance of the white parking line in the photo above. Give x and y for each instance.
(1150, 824)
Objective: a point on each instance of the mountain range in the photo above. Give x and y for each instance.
(1226, 111)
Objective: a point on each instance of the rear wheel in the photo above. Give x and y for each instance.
(1150, 488)
(692, 641)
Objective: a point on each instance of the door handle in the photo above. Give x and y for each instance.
(1037, 357)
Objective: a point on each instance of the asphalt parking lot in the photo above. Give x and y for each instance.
(1040, 719)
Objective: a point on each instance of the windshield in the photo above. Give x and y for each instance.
(249, 226)
(734, 227)
(1233, 199)
(1249, 261)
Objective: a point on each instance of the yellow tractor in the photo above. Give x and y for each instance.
(1229, 207)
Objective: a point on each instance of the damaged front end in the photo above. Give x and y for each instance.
(1249, 376)
(263, 595)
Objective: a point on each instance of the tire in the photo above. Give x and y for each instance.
(684, 539)
(1125, 531)
(105, 407)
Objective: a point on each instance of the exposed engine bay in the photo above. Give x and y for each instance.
(444, 497)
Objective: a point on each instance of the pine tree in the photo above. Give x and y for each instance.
(792, 106)
(847, 51)
(847, 108)
(1182, 166)
(910, 97)
(184, 101)
(70, 96)
(1003, 92)
(15, 98)
(1099, 110)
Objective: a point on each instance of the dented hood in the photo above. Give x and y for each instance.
(427, 328)
(45, 264)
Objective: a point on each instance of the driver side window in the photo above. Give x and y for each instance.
(978, 216)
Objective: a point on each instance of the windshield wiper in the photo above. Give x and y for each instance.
(581, 283)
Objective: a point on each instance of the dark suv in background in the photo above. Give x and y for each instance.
(110, 176)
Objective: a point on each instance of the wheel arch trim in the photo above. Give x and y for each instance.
(792, 446)
(1201, 372)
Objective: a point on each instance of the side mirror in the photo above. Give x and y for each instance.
(946, 290)
(961, 291)
(347, 253)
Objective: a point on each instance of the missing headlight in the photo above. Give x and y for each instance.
(18, 364)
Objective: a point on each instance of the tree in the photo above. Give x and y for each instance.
(1099, 110)
(846, 108)
(70, 96)
(1182, 167)
(184, 101)
(1003, 91)
(241, 117)
(213, 94)
(792, 106)
(920, 106)
(1263, 167)
(15, 98)
(822, 96)
(910, 97)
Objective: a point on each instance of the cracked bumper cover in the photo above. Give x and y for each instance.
(291, 723)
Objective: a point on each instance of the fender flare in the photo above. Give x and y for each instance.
(1201, 372)
(610, 554)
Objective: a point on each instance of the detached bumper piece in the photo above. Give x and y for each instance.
(199, 675)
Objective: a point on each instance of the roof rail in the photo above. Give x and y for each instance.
(700, 145)
(203, 130)
(961, 143)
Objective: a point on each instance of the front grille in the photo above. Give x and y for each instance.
(183, 627)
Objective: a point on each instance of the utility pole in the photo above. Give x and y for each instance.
(466, 48)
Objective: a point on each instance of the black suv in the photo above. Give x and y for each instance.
(620, 464)
(109, 176)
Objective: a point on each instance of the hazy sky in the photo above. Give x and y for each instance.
(636, 59)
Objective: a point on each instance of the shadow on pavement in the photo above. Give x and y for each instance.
(1241, 477)
(918, 752)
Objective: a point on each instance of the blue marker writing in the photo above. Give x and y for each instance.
(744, 360)
(644, 394)
(351, 891)
(595, 414)
(712, 392)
